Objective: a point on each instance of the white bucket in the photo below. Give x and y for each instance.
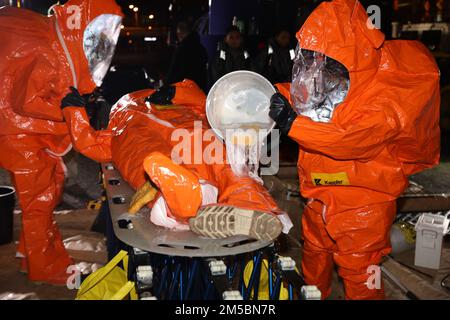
(240, 99)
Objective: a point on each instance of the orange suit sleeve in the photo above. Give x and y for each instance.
(362, 138)
(89, 142)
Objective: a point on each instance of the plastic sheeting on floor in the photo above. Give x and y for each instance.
(18, 296)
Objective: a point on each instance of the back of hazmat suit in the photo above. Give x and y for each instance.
(41, 58)
(175, 147)
(365, 113)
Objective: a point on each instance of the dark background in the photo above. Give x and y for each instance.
(140, 64)
(214, 20)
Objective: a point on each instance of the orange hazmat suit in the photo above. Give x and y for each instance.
(146, 141)
(355, 166)
(41, 57)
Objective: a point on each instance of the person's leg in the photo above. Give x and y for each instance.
(20, 251)
(38, 180)
(180, 187)
(317, 260)
(60, 177)
(10, 159)
(362, 238)
(244, 207)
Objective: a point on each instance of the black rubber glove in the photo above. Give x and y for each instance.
(162, 96)
(282, 113)
(73, 99)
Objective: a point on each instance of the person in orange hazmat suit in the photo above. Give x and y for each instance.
(42, 56)
(365, 113)
(164, 137)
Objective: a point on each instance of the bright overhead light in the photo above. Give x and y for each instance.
(151, 16)
(131, 6)
(150, 39)
(136, 9)
(122, 26)
(170, 7)
(150, 27)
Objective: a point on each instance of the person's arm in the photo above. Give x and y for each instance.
(217, 68)
(92, 144)
(176, 68)
(362, 137)
(35, 91)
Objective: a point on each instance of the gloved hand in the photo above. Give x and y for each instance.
(162, 96)
(73, 99)
(281, 112)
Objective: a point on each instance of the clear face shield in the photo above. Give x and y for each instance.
(99, 42)
(319, 85)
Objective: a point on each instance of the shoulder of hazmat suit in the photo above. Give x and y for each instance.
(356, 165)
(177, 140)
(41, 57)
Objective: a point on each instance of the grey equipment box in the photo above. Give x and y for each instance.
(430, 230)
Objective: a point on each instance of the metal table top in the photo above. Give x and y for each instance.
(148, 237)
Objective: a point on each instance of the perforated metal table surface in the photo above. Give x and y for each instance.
(148, 237)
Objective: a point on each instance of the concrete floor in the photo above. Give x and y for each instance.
(75, 223)
(78, 221)
(81, 186)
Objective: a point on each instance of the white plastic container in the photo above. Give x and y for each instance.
(240, 99)
(430, 230)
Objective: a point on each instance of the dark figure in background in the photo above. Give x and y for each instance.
(190, 59)
(231, 55)
(275, 61)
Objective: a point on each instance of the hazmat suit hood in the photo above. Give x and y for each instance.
(88, 31)
(340, 40)
(44, 55)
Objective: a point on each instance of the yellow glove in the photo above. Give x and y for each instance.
(143, 196)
